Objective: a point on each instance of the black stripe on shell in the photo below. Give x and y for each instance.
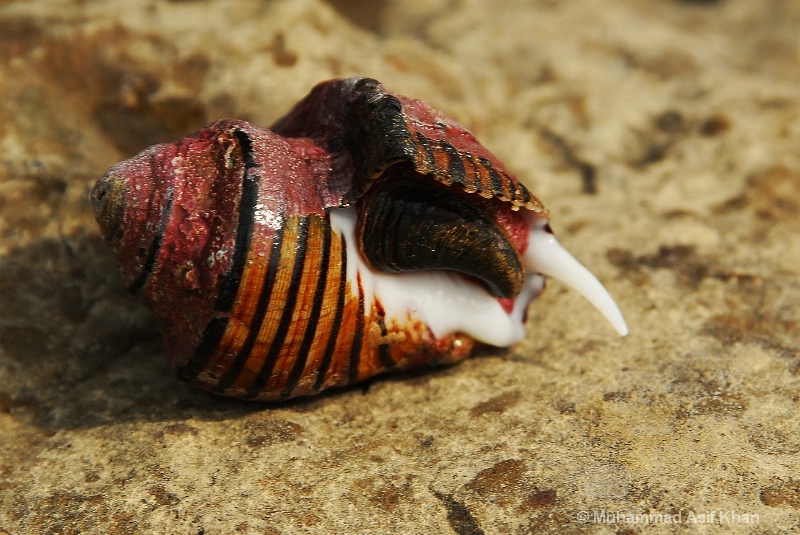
(376, 135)
(358, 336)
(427, 154)
(384, 352)
(316, 309)
(155, 246)
(455, 165)
(215, 330)
(495, 181)
(244, 228)
(333, 336)
(239, 362)
(276, 346)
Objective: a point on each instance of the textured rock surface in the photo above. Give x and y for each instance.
(663, 136)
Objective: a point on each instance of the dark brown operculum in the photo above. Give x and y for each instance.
(409, 222)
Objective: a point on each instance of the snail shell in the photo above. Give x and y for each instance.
(364, 232)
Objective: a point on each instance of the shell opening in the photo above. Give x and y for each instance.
(408, 224)
(444, 301)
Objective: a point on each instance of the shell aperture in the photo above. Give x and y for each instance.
(416, 225)
(442, 300)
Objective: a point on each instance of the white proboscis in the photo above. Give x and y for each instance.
(447, 303)
(548, 257)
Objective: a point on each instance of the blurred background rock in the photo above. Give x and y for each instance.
(664, 137)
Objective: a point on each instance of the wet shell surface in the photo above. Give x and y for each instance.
(364, 232)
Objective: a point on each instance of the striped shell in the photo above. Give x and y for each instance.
(277, 261)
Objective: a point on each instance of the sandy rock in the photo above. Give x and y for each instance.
(664, 137)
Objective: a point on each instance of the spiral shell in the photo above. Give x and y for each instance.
(364, 232)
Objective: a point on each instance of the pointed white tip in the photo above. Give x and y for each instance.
(548, 257)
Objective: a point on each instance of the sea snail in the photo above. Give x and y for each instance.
(364, 232)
